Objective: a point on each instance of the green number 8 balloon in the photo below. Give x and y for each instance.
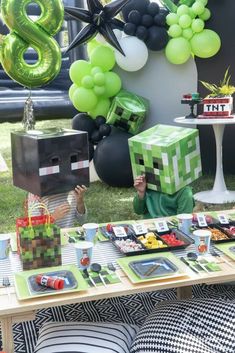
(25, 33)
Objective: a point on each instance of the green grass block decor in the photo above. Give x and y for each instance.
(169, 156)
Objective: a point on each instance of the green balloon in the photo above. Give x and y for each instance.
(113, 84)
(78, 70)
(84, 99)
(204, 2)
(205, 15)
(103, 56)
(205, 44)
(197, 25)
(99, 79)
(99, 90)
(185, 21)
(191, 13)
(172, 19)
(101, 108)
(26, 33)
(175, 31)
(72, 89)
(178, 50)
(95, 70)
(182, 10)
(187, 33)
(91, 45)
(87, 81)
(198, 8)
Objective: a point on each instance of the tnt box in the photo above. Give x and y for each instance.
(169, 156)
(218, 107)
(49, 161)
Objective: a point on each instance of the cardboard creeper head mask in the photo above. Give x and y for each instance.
(50, 161)
(169, 156)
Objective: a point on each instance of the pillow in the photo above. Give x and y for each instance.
(188, 326)
(85, 337)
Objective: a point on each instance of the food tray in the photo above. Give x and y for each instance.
(136, 245)
(218, 230)
(154, 267)
(109, 234)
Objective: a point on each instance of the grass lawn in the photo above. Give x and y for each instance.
(104, 203)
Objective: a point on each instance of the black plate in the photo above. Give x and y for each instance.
(155, 267)
(108, 235)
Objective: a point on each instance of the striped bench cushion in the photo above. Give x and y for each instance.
(90, 337)
(188, 326)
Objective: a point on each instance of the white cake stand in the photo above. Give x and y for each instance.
(219, 194)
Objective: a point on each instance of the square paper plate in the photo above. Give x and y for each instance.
(125, 261)
(22, 288)
(225, 248)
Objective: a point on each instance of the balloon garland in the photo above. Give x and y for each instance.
(25, 33)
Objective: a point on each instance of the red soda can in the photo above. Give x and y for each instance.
(50, 282)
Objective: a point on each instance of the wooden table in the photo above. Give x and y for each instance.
(12, 310)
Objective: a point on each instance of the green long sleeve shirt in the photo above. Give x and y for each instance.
(157, 204)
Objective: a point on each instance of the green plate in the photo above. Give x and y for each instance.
(224, 247)
(21, 281)
(124, 264)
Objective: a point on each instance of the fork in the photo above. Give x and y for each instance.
(111, 267)
(6, 283)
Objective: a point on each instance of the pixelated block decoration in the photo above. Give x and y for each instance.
(169, 156)
(50, 161)
(40, 246)
(128, 112)
(218, 107)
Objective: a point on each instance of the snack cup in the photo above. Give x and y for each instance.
(83, 253)
(185, 222)
(202, 241)
(90, 230)
(4, 246)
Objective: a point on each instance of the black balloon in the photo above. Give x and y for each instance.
(153, 9)
(100, 120)
(147, 20)
(160, 19)
(105, 130)
(112, 160)
(84, 122)
(142, 33)
(100, 20)
(96, 137)
(134, 17)
(130, 29)
(140, 5)
(91, 151)
(157, 38)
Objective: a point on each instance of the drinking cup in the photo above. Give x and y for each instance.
(83, 253)
(202, 238)
(185, 222)
(90, 230)
(4, 246)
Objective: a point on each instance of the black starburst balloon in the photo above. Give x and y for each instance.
(100, 20)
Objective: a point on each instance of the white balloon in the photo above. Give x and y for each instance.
(136, 54)
(118, 33)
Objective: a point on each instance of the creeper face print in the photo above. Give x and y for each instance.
(169, 157)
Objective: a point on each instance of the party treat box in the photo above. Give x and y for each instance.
(169, 156)
(217, 107)
(50, 161)
(128, 112)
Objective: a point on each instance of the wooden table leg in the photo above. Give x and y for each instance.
(7, 334)
(7, 329)
(184, 292)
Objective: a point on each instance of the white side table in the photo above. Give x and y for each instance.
(219, 194)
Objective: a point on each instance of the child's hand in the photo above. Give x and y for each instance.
(80, 191)
(140, 185)
(61, 211)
